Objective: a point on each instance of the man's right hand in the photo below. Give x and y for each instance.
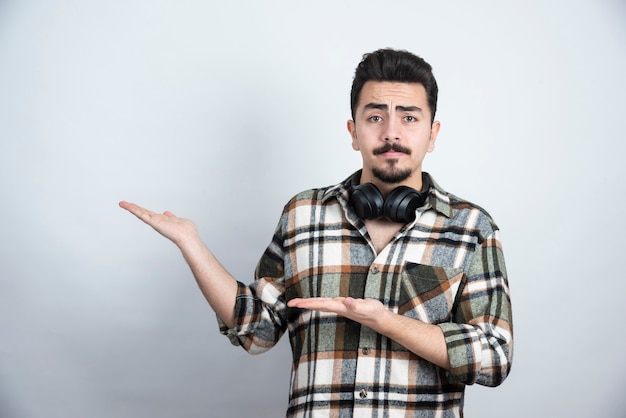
(217, 285)
(178, 230)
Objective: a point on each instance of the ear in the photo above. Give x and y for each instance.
(352, 129)
(434, 131)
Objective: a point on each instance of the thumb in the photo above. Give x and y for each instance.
(349, 302)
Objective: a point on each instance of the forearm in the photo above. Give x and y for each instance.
(422, 339)
(217, 285)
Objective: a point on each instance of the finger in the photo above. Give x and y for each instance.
(349, 302)
(296, 303)
(131, 207)
(302, 302)
(124, 204)
(143, 214)
(319, 304)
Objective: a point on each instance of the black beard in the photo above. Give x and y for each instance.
(391, 176)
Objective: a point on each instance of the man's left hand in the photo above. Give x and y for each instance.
(364, 311)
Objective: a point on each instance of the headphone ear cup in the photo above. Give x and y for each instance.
(367, 201)
(401, 204)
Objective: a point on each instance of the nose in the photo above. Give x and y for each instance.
(392, 130)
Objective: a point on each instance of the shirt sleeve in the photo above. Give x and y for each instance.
(260, 308)
(480, 338)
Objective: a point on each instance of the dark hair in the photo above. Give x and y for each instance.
(394, 65)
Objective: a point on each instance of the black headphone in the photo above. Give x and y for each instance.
(400, 205)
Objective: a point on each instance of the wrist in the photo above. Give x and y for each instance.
(382, 322)
(189, 242)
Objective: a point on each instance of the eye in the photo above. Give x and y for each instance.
(375, 118)
(410, 118)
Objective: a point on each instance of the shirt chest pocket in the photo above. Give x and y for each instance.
(429, 293)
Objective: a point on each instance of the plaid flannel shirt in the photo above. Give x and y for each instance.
(444, 268)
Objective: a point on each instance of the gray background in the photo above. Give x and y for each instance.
(220, 111)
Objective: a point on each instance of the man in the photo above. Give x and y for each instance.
(393, 291)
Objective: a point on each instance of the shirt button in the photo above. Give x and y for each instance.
(365, 351)
(374, 270)
(363, 394)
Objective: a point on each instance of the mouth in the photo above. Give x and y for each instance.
(392, 154)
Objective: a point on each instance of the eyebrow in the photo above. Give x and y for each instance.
(400, 108)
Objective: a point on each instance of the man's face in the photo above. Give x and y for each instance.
(392, 129)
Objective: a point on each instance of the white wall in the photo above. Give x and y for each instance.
(220, 111)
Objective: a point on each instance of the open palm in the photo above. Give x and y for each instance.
(178, 230)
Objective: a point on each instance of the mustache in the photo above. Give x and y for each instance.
(392, 147)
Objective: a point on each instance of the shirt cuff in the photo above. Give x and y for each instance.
(464, 351)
